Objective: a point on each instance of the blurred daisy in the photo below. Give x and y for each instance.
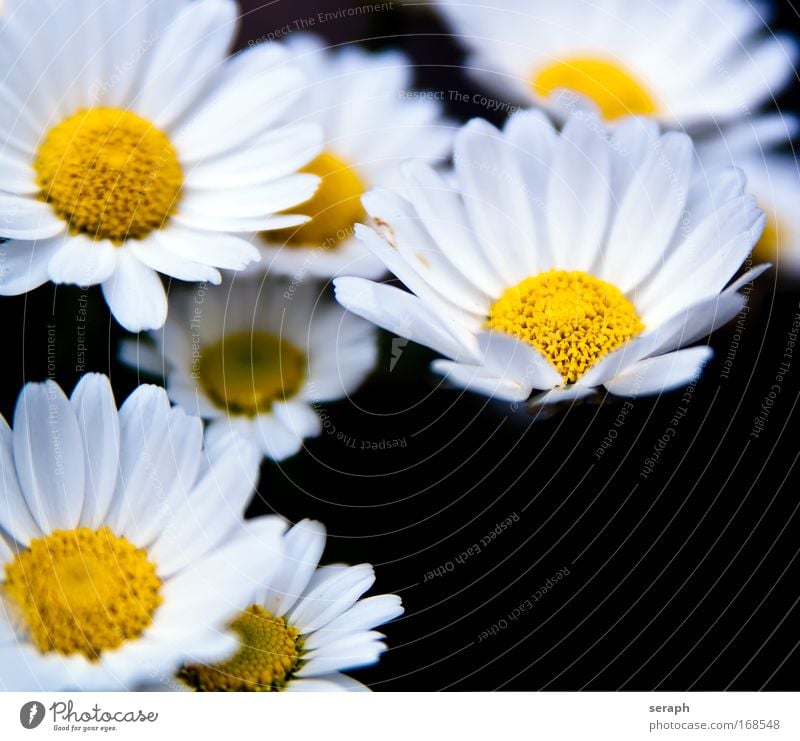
(305, 627)
(773, 177)
(683, 62)
(561, 262)
(258, 357)
(372, 121)
(132, 147)
(128, 551)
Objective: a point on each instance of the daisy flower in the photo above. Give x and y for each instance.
(772, 176)
(304, 627)
(372, 122)
(561, 262)
(683, 62)
(127, 551)
(133, 146)
(258, 357)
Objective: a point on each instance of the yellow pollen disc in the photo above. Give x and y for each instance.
(335, 207)
(615, 91)
(268, 657)
(572, 318)
(82, 591)
(772, 238)
(244, 373)
(109, 174)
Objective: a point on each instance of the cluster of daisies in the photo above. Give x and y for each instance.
(588, 243)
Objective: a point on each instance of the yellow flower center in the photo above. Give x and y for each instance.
(109, 174)
(244, 373)
(334, 209)
(82, 591)
(268, 657)
(773, 238)
(572, 318)
(614, 89)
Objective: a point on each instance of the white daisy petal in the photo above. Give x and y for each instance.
(660, 374)
(156, 253)
(300, 418)
(135, 294)
(579, 193)
(15, 517)
(511, 358)
(96, 412)
(273, 155)
(481, 380)
(25, 265)
(303, 546)
(49, 456)
(224, 251)
(331, 591)
(83, 262)
(327, 683)
(397, 312)
(361, 650)
(278, 441)
(16, 176)
(649, 213)
(363, 615)
(193, 48)
(25, 218)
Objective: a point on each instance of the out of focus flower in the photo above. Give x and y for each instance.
(372, 121)
(684, 62)
(258, 357)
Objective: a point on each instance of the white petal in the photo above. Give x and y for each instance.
(25, 265)
(300, 418)
(401, 313)
(258, 102)
(274, 155)
(83, 261)
(224, 251)
(327, 683)
(49, 456)
(216, 588)
(252, 201)
(96, 411)
(155, 253)
(276, 439)
(191, 50)
(144, 435)
(15, 517)
(649, 213)
(364, 615)
(481, 380)
(213, 508)
(332, 590)
(579, 193)
(509, 357)
(16, 175)
(303, 546)
(135, 294)
(26, 218)
(361, 650)
(660, 374)
(498, 205)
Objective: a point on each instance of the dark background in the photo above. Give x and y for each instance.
(688, 579)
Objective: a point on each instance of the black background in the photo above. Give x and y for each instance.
(689, 579)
